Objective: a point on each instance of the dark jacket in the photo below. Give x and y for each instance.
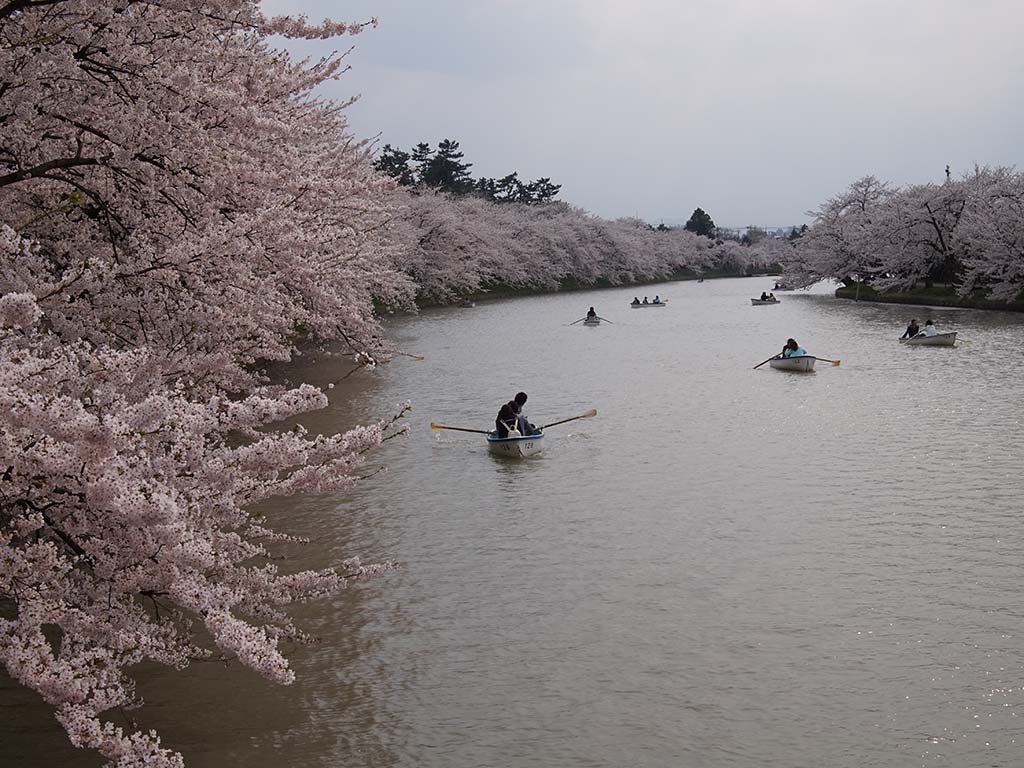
(507, 416)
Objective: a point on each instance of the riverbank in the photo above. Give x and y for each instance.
(930, 296)
(569, 285)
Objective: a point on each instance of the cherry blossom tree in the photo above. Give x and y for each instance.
(175, 206)
(964, 232)
(993, 233)
(454, 245)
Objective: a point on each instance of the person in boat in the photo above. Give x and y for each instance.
(508, 417)
(591, 314)
(792, 349)
(777, 287)
(524, 425)
(646, 301)
(636, 300)
(764, 296)
(912, 330)
(657, 299)
(771, 297)
(929, 328)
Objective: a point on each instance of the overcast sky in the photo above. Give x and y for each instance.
(755, 110)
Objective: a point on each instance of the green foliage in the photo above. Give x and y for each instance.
(445, 171)
(701, 224)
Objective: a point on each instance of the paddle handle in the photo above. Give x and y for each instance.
(587, 415)
(766, 361)
(434, 425)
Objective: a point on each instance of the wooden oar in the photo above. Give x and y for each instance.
(587, 415)
(766, 361)
(605, 319)
(577, 321)
(826, 360)
(435, 425)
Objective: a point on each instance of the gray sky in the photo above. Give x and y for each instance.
(754, 110)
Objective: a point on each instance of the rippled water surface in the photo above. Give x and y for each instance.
(726, 567)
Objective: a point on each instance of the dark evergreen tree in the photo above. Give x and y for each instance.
(701, 224)
(395, 163)
(445, 171)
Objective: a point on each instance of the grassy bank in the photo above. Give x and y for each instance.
(926, 295)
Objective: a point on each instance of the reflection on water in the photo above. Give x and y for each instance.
(725, 567)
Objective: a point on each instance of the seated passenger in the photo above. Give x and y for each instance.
(929, 328)
(792, 349)
(635, 300)
(764, 296)
(657, 299)
(646, 301)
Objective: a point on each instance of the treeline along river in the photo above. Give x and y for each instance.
(726, 567)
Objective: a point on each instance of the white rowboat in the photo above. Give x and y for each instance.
(648, 304)
(515, 447)
(938, 340)
(594, 321)
(800, 363)
(760, 302)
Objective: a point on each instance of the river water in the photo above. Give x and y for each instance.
(726, 567)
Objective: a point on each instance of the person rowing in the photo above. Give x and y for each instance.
(591, 315)
(635, 300)
(912, 330)
(792, 349)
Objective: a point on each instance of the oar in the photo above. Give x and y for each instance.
(605, 319)
(826, 360)
(766, 361)
(587, 415)
(435, 425)
(577, 321)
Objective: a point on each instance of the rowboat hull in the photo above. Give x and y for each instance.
(515, 447)
(800, 364)
(649, 305)
(592, 322)
(761, 303)
(938, 340)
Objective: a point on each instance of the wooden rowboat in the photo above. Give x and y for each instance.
(592, 321)
(761, 302)
(938, 340)
(800, 363)
(648, 304)
(515, 447)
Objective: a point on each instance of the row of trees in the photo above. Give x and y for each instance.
(455, 244)
(443, 170)
(967, 232)
(175, 207)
